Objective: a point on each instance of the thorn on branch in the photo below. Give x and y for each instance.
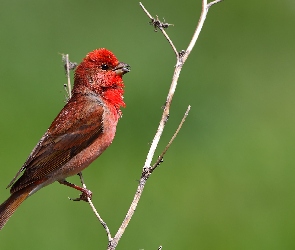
(158, 24)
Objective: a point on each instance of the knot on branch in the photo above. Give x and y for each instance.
(166, 118)
(146, 172)
(158, 24)
(180, 57)
(181, 53)
(159, 161)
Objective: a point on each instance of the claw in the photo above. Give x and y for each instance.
(83, 196)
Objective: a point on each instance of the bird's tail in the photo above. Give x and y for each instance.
(8, 207)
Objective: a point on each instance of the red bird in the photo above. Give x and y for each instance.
(82, 130)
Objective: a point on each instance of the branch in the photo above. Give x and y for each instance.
(205, 9)
(105, 226)
(160, 158)
(159, 25)
(181, 58)
(148, 169)
(68, 66)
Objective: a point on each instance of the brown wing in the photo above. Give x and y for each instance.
(77, 125)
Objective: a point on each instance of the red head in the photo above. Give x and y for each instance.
(101, 72)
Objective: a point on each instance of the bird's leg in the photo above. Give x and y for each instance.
(85, 192)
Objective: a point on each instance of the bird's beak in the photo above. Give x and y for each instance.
(122, 68)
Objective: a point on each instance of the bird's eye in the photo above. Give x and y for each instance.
(104, 66)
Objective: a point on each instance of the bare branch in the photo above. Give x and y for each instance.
(145, 10)
(161, 26)
(65, 59)
(68, 66)
(105, 226)
(181, 58)
(205, 9)
(160, 158)
(213, 2)
(148, 169)
(112, 245)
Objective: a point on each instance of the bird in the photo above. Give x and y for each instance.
(80, 133)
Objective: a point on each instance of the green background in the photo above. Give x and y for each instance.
(228, 180)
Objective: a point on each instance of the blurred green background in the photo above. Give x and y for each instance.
(228, 180)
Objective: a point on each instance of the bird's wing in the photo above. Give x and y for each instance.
(76, 127)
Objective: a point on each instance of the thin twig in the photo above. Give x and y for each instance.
(160, 158)
(68, 65)
(170, 42)
(105, 226)
(66, 61)
(205, 9)
(145, 10)
(113, 244)
(158, 24)
(213, 2)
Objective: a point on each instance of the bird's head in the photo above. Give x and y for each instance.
(101, 72)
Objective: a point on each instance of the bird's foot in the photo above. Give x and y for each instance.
(83, 196)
